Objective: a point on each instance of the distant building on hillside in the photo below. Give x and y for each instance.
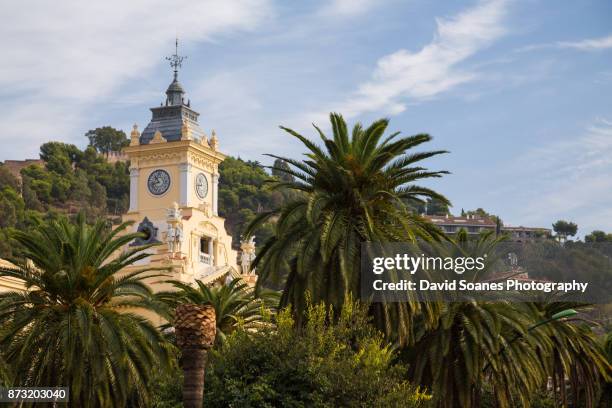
(474, 225)
(114, 157)
(526, 233)
(15, 166)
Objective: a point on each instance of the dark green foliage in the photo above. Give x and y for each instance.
(107, 139)
(281, 170)
(243, 194)
(7, 179)
(70, 181)
(565, 229)
(347, 364)
(480, 212)
(72, 326)
(598, 236)
(433, 206)
(586, 262)
(83, 179)
(5, 373)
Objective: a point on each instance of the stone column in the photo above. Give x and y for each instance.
(210, 252)
(215, 194)
(186, 183)
(133, 189)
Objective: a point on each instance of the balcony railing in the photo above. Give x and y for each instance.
(206, 259)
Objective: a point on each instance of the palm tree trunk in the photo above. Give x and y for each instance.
(194, 368)
(195, 333)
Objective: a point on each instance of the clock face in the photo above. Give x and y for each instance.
(201, 185)
(159, 182)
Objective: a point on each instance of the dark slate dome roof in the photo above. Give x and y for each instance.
(175, 86)
(170, 117)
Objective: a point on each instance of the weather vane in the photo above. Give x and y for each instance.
(176, 61)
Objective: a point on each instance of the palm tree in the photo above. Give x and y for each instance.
(195, 334)
(75, 324)
(4, 373)
(573, 353)
(359, 187)
(235, 304)
(512, 347)
(471, 343)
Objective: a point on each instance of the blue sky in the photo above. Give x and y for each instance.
(518, 91)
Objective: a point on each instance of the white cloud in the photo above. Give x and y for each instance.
(569, 178)
(348, 8)
(432, 70)
(65, 56)
(592, 44)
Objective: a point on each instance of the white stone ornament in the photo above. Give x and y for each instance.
(174, 213)
(174, 234)
(247, 256)
(135, 136)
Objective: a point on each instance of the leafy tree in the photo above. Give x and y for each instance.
(235, 304)
(433, 206)
(74, 178)
(243, 194)
(39, 182)
(279, 170)
(564, 229)
(107, 139)
(7, 179)
(60, 157)
(29, 195)
(598, 236)
(347, 364)
(481, 213)
(9, 214)
(11, 208)
(356, 189)
(71, 327)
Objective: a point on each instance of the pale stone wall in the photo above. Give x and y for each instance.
(6, 283)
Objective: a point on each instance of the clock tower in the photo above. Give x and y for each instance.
(174, 192)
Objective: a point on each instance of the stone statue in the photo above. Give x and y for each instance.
(170, 235)
(214, 141)
(247, 256)
(174, 234)
(185, 131)
(135, 136)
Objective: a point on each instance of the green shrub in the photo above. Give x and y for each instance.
(346, 364)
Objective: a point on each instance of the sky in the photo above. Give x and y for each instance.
(519, 92)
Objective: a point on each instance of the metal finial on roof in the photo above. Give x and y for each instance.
(176, 61)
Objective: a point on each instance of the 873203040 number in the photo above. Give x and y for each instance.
(34, 394)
